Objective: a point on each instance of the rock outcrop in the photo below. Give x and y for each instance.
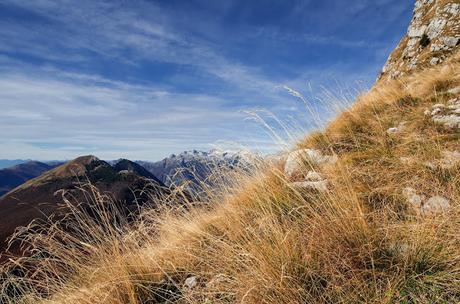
(447, 116)
(433, 35)
(300, 169)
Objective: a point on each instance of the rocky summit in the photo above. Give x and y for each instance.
(433, 35)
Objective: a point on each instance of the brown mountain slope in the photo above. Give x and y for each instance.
(44, 195)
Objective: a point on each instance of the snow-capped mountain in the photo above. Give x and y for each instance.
(196, 167)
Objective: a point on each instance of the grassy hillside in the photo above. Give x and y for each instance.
(385, 231)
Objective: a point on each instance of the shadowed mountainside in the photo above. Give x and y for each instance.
(43, 196)
(14, 176)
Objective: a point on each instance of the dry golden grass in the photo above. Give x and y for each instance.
(260, 241)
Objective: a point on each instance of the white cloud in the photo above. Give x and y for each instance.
(54, 114)
(49, 111)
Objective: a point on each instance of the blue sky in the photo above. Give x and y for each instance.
(143, 79)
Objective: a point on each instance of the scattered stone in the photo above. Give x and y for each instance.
(413, 198)
(397, 129)
(320, 186)
(191, 282)
(314, 176)
(454, 91)
(294, 162)
(435, 27)
(436, 204)
(450, 42)
(448, 121)
(435, 61)
(430, 165)
(392, 130)
(447, 116)
(450, 159)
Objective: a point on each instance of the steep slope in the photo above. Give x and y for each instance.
(14, 176)
(433, 35)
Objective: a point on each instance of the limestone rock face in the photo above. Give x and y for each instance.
(447, 116)
(433, 35)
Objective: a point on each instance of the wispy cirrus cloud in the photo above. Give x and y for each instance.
(142, 79)
(57, 110)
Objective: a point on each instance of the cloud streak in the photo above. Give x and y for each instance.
(142, 79)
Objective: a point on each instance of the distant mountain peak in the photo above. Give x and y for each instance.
(193, 167)
(76, 167)
(127, 166)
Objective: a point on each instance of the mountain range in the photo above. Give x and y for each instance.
(36, 190)
(193, 169)
(44, 195)
(189, 168)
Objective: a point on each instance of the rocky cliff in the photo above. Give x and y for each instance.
(433, 35)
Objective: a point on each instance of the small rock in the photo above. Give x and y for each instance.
(436, 204)
(450, 41)
(448, 121)
(435, 61)
(454, 91)
(191, 282)
(450, 159)
(314, 176)
(430, 165)
(413, 198)
(397, 129)
(436, 111)
(307, 185)
(436, 47)
(392, 130)
(447, 116)
(416, 32)
(406, 160)
(293, 167)
(435, 27)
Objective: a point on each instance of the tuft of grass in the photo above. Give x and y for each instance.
(425, 41)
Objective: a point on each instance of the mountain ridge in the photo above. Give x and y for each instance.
(44, 195)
